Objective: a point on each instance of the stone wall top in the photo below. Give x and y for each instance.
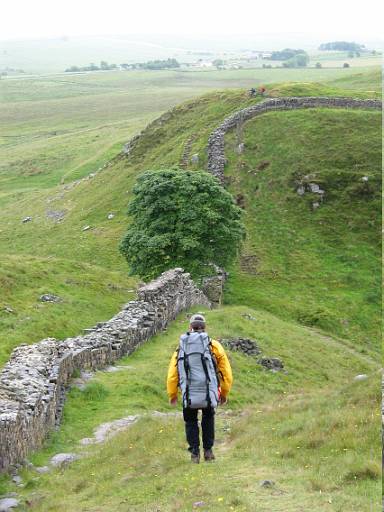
(216, 156)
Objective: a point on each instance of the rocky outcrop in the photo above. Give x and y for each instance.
(216, 154)
(33, 382)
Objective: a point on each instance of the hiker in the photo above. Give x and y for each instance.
(262, 90)
(200, 368)
(252, 92)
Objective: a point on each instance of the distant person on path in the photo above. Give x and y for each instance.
(200, 369)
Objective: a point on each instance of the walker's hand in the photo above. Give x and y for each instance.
(173, 402)
(223, 400)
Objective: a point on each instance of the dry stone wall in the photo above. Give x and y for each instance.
(216, 155)
(33, 382)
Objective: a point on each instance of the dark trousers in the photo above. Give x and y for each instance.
(192, 428)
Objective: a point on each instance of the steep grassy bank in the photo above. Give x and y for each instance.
(314, 257)
(277, 426)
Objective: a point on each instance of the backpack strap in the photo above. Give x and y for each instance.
(207, 377)
(187, 371)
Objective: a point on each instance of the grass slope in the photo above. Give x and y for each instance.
(277, 426)
(314, 431)
(90, 201)
(321, 267)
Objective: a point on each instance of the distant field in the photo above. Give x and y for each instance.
(61, 127)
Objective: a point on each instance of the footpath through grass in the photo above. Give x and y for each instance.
(313, 431)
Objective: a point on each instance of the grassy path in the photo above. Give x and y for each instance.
(277, 427)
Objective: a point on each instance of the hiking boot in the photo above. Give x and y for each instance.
(195, 457)
(208, 455)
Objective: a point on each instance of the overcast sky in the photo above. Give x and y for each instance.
(46, 18)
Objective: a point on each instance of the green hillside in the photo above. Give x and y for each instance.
(312, 431)
(305, 288)
(314, 257)
(346, 303)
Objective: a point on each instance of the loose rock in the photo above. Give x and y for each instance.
(43, 469)
(362, 376)
(267, 483)
(247, 346)
(271, 363)
(63, 459)
(26, 219)
(7, 504)
(17, 480)
(49, 297)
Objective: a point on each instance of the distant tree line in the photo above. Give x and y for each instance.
(6, 71)
(291, 58)
(286, 54)
(343, 46)
(153, 64)
(104, 66)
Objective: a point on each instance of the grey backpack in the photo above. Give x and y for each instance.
(196, 366)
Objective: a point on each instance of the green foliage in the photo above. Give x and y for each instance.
(300, 60)
(154, 64)
(218, 63)
(180, 218)
(286, 54)
(341, 46)
(95, 392)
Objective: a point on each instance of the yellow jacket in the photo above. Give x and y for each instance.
(223, 367)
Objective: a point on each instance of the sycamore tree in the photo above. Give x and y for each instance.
(180, 218)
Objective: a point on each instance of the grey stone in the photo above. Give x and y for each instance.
(43, 469)
(26, 219)
(314, 187)
(245, 345)
(7, 504)
(63, 459)
(86, 228)
(300, 190)
(7, 309)
(17, 479)
(56, 215)
(267, 483)
(364, 178)
(315, 205)
(362, 376)
(271, 363)
(49, 297)
(110, 216)
(240, 148)
(108, 430)
(195, 158)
